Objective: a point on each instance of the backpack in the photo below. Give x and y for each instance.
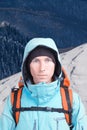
(66, 96)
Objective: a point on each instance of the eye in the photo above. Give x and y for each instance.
(35, 60)
(48, 60)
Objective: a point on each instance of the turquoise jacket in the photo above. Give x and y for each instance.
(42, 95)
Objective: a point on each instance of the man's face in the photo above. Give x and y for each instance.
(42, 69)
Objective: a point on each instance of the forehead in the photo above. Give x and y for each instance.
(42, 57)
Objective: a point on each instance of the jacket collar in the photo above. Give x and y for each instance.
(42, 91)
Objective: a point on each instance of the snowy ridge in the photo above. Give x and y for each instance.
(75, 63)
(5, 88)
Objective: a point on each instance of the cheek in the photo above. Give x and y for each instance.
(51, 69)
(33, 71)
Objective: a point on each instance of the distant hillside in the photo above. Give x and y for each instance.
(65, 21)
(11, 49)
(12, 44)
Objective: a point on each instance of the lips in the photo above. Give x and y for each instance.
(42, 75)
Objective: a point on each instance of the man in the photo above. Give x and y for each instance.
(41, 96)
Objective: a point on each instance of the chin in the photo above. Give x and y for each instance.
(42, 81)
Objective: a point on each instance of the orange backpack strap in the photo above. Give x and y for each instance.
(16, 100)
(20, 83)
(66, 95)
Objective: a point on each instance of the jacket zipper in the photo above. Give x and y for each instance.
(82, 128)
(34, 127)
(57, 122)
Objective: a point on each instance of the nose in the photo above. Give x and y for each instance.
(42, 66)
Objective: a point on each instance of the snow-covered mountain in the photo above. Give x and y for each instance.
(75, 63)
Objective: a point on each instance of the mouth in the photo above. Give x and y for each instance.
(42, 75)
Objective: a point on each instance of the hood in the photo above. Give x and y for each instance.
(31, 45)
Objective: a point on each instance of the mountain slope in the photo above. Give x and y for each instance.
(65, 21)
(75, 64)
(12, 44)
